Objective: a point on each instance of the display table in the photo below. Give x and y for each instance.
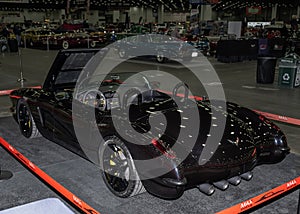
(240, 50)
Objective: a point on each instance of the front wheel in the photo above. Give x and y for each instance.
(26, 123)
(160, 58)
(118, 170)
(93, 44)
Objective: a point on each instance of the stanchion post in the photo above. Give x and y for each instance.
(25, 40)
(21, 79)
(88, 41)
(47, 43)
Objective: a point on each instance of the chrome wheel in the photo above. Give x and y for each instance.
(118, 170)
(160, 58)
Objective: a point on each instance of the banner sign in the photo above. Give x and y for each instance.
(253, 10)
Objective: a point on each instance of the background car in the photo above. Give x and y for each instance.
(35, 36)
(161, 47)
(74, 39)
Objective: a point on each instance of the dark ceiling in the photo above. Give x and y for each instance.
(169, 5)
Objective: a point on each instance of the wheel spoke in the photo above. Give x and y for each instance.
(116, 169)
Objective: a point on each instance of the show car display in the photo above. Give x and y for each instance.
(164, 47)
(74, 39)
(35, 36)
(249, 139)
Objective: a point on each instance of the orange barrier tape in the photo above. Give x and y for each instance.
(262, 198)
(77, 202)
(7, 92)
(280, 118)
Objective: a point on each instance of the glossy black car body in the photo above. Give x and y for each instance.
(248, 140)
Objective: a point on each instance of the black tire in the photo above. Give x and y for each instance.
(118, 170)
(26, 123)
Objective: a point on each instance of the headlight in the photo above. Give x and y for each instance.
(194, 54)
(280, 140)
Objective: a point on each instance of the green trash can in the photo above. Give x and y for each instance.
(289, 72)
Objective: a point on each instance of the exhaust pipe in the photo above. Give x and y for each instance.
(247, 176)
(222, 185)
(206, 188)
(235, 180)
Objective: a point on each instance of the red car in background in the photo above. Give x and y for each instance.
(73, 40)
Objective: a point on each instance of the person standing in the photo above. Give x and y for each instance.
(5, 32)
(294, 23)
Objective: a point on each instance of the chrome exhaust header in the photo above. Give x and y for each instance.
(206, 188)
(247, 176)
(235, 180)
(222, 185)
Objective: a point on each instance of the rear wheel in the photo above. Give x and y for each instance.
(65, 45)
(26, 123)
(118, 170)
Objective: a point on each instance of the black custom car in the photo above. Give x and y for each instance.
(248, 139)
(160, 47)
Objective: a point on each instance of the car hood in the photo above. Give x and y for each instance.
(221, 136)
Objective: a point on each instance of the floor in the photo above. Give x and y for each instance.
(83, 178)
